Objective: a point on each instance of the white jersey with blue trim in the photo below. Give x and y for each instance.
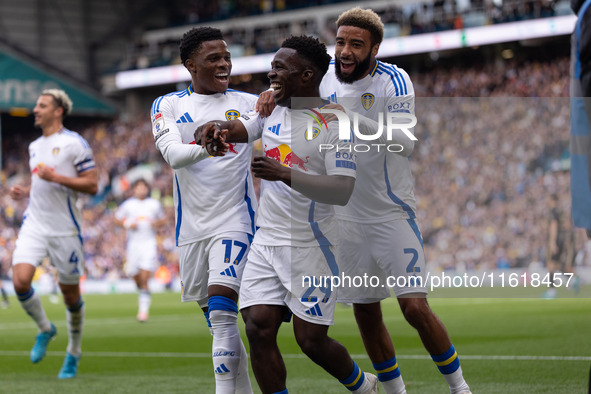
(52, 209)
(384, 187)
(214, 195)
(285, 216)
(142, 213)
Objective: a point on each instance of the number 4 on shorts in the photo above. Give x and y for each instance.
(73, 258)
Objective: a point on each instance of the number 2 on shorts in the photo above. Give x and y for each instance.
(415, 256)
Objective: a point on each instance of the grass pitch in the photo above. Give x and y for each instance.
(525, 345)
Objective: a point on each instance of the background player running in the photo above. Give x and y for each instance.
(140, 215)
(61, 165)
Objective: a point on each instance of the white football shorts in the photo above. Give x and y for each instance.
(65, 254)
(218, 260)
(390, 253)
(141, 256)
(283, 275)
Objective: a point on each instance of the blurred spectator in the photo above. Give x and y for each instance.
(406, 19)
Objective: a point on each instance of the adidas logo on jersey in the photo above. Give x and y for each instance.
(275, 128)
(185, 118)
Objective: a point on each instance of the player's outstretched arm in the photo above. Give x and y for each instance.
(327, 189)
(85, 182)
(210, 131)
(168, 139)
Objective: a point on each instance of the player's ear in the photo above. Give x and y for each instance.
(190, 65)
(61, 110)
(375, 49)
(308, 75)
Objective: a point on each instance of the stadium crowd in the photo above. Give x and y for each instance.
(435, 11)
(399, 20)
(492, 151)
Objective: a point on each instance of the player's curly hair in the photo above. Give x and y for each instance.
(311, 49)
(192, 40)
(364, 19)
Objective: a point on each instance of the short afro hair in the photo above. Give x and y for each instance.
(364, 19)
(192, 40)
(311, 49)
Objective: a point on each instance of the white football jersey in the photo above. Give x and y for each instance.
(214, 195)
(285, 216)
(143, 213)
(52, 209)
(384, 187)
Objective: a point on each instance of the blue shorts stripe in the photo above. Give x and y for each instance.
(206, 314)
(75, 222)
(249, 205)
(415, 229)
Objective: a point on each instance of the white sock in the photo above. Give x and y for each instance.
(243, 385)
(75, 320)
(390, 376)
(394, 386)
(365, 386)
(31, 303)
(456, 382)
(144, 301)
(226, 350)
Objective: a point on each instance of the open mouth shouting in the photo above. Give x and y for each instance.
(347, 66)
(222, 77)
(276, 86)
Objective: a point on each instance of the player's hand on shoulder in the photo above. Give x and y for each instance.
(265, 104)
(332, 117)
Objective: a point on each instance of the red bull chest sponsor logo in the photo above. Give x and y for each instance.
(284, 155)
